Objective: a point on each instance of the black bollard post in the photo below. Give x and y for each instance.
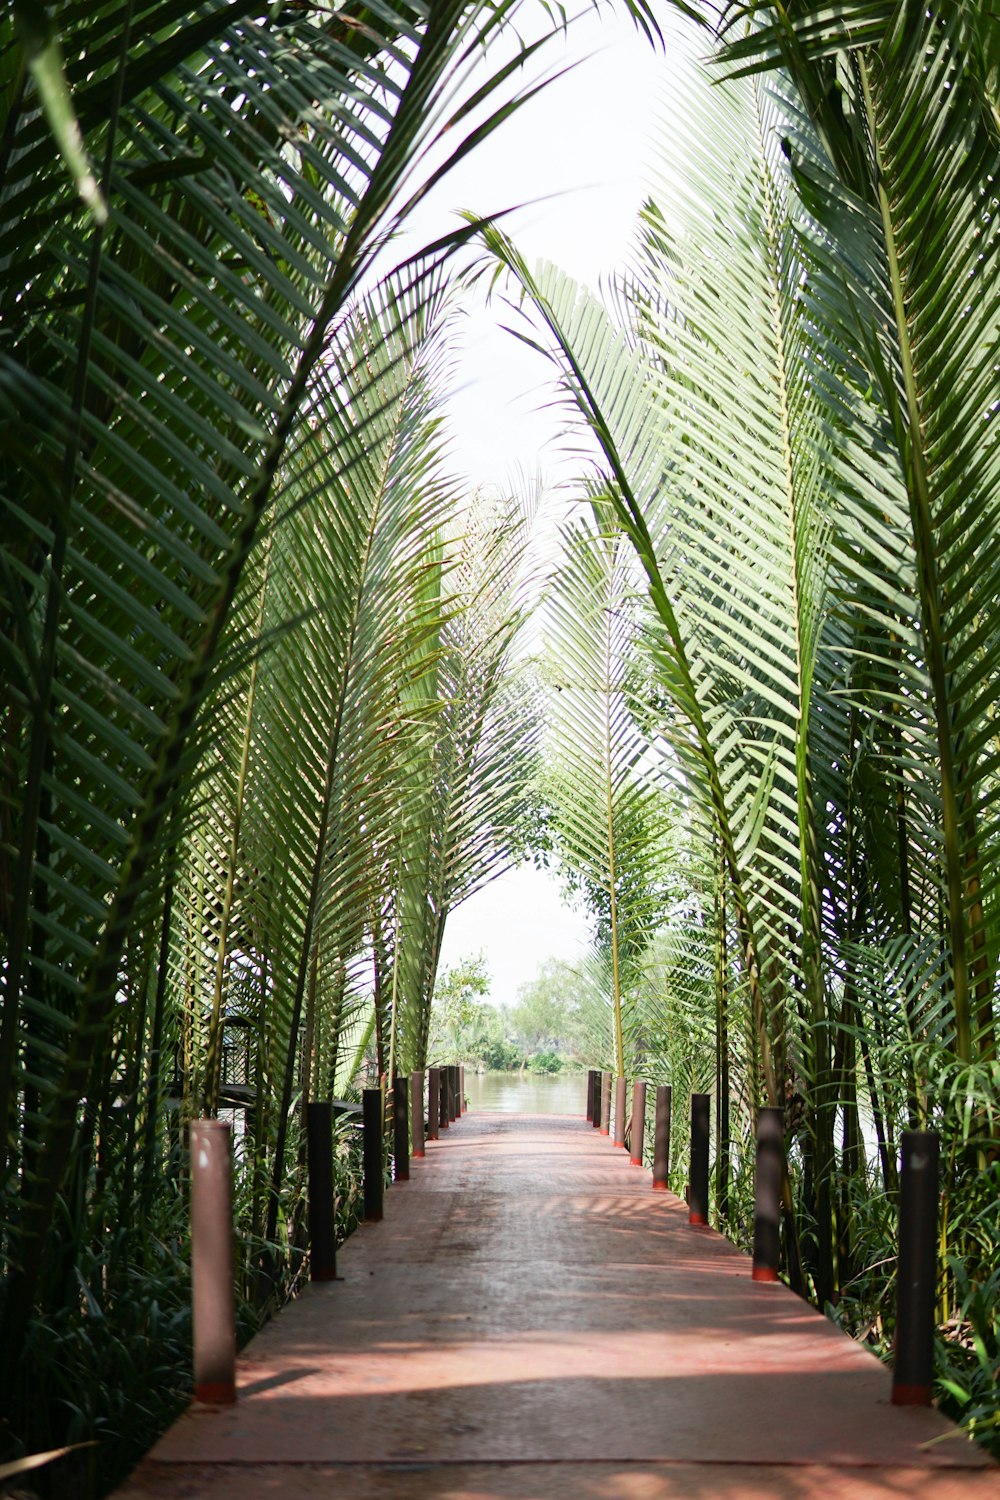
(463, 1108)
(638, 1129)
(417, 1113)
(661, 1138)
(322, 1204)
(605, 1103)
(213, 1312)
(456, 1103)
(433, 1103)
(371, 1116)
(596, 1121)
(620, 1112)
(445, 1087)
(590, 1095)
(401, 1128)
(768, 1173)
(916, 1277)
(698, 1204)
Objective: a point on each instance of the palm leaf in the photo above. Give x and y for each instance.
(604, 808)
(468, 783)
(916, 152)
(250, 189)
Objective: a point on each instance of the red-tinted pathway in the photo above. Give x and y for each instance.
(530, 1321)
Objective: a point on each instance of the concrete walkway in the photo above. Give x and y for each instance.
(530, 1321)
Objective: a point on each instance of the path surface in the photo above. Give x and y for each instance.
(531, 1322)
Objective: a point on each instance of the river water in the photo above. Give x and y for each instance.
(527, 1094)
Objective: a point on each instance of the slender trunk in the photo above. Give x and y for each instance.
(886, 1158)
(152, 1105)
(213, 1058)
(133, 1074)
(309, 1044)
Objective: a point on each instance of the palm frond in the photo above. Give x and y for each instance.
(156, 374)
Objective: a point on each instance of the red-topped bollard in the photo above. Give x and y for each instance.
(916, 1276)
(212, 1306)
(768, 1174)
(661, 1138)
(698, 1204)
(638, 1128)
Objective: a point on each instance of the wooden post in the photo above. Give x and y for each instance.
(638, 1129)
(417, 1113)
(768, 1174)
(916, 1276)
(433, 1103)
(371, 1114)
(700, 1128)
(401, 1128)
(213, 1311)
(322, 1202)
(620, 1112)
(661, 1138)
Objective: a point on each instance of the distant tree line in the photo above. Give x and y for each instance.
(558, 1019)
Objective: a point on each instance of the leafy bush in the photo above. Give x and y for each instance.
(502, 1057)
(545, 1062)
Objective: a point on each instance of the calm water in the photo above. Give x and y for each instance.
(532, 1094)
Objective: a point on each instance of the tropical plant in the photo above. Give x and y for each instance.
(194, 401)
(261, 724)
(794, 411)
(907, 190)
(469, 787)
(602, 810)
(721, 510)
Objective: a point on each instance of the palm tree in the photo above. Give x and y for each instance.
(805, 469)
(603, 809)
(469, 783)
(163, 376)
(911, 160)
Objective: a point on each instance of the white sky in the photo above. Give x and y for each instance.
(574, 157)
(580, 145)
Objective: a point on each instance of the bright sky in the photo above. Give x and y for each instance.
(574, 157)
(581, 147)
